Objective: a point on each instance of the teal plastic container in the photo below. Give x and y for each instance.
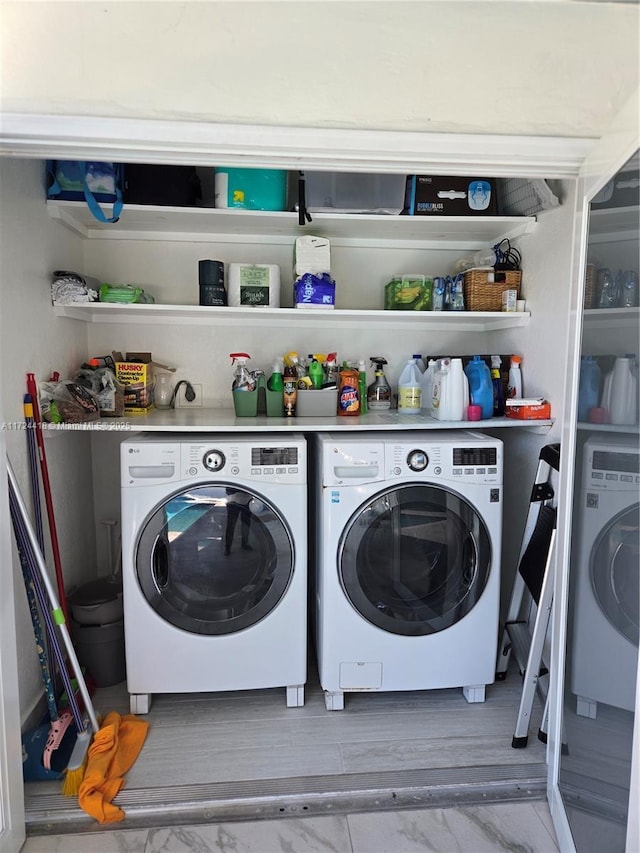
(251, 189)
(480, 386)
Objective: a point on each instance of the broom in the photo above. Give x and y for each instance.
(59, 722)
(27, 540)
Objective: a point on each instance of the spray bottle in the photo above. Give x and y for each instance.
(379, 392)
(242, 378)
(316, 372)
(498, 389)
(331, 367)
(275, 382)
(514, 389)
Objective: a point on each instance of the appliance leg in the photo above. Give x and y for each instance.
(474, 692)
(140, 703)
(586, 707)
(295, 696)
(334, 701)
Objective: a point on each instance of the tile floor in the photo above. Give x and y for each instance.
(514, 827)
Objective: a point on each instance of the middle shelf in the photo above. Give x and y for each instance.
(225, 420)
(113, 312)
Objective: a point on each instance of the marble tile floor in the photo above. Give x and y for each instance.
(515, 827)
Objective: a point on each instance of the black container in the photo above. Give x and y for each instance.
(170, 186)
(211, 279)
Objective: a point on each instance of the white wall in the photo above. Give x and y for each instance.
(548, 68)
(33, 340)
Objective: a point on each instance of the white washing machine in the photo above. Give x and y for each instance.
(604, 655)
(407, 551)
(214, 536)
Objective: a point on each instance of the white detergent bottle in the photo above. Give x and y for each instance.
(514, 388)
(458, 396)
(426, 383)
(623, 392)
(439, 400)
(409, 389)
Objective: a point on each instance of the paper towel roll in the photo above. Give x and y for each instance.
(253, 285)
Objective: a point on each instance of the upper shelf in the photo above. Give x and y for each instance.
(113, 312)
(148, 222)
(614, 222)
(611, 318)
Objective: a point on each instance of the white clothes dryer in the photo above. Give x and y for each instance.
(604, 656)
(214, 535)
(407, 553)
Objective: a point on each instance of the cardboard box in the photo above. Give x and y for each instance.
(135, 372)
(533, 409)
(437, 195)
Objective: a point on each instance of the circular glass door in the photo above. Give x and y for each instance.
(613, 569)
(214, 559)
(414, 560)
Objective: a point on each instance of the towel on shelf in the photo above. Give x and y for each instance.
(112, 753)
(68, 288)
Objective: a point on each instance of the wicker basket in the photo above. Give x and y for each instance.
(480, 294)
(590, 276)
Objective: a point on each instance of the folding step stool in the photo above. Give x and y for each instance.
(533, 584)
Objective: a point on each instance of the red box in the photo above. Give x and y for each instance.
(526, 410)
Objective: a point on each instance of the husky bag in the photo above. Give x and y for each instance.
(95, 183)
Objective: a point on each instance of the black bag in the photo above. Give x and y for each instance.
(167, 186)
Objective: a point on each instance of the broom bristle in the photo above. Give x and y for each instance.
(77, 765)
(72, 781)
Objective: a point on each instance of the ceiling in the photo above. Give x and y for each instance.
(532, 67)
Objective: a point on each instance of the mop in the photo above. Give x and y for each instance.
(32, 388)
(28, 545)
(59, 722)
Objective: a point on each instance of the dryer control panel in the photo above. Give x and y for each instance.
(475, 463)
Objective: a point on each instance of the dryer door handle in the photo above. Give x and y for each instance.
(160, 563)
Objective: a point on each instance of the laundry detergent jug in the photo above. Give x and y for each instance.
(589, 386)
(480, 386)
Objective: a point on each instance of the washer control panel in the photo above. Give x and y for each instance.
(261, 463)
(476, 463)
(146, 461)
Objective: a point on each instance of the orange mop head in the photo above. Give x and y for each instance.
(113, 752)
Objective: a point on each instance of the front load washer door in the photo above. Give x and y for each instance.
(613, 569)
(214, 559)
(414, 559)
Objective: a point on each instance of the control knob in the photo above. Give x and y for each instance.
(213, 460)
(417, 460)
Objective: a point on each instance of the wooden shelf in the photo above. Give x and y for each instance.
(149, 222)
(224, 420)
(113, 312)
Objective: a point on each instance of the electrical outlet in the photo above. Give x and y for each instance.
(183, 403)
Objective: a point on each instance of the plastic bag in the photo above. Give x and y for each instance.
(102, 382)
(67, 402)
